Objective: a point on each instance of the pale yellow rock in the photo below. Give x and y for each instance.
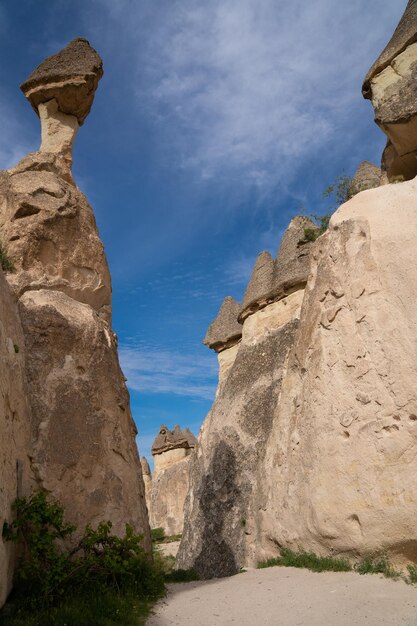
(272, 317)
(340, 461)
(167, 497)
(58, 130)
(168, 458)
(14, 426)
(226, 358)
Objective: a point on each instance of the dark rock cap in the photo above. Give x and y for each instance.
(170, 439)
(404, 35)
(272, 280)
(71, 77)
(225, 330)
(261, 282)
(367, 176)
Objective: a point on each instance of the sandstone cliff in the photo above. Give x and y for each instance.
(311, 441)
(223, 526)
(14, 425)
(167, 488)
(83, 447)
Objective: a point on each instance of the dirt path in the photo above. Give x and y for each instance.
(289, 597)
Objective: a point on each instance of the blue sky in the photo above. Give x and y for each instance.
(214, 123)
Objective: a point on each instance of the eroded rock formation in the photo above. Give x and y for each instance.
(14, 425)
(391, 86)
(83, 447)
(223, 523)
(167, 488)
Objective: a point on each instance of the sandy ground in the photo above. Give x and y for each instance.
(281, 596)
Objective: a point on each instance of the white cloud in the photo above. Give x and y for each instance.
(156, 371)
(247, 89)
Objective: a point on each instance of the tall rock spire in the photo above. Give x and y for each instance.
(83, 448)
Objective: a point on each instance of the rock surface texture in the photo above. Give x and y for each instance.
(167, 488)
(312, 439)
(223, 519)
(14, 425)
(391, 86)
(83, 448)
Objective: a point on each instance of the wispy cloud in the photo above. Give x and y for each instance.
(247, 89)
(160, 371)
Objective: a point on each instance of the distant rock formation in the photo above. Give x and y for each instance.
(167, 489)
(391, 86)
(83, 448)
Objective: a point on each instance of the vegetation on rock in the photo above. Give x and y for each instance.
(6, 263)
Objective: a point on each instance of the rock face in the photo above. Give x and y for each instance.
(14, 425)
(311, 441)
(391, 86)
(83, 447)
(223, 513)
(167, 489)
(341, 454)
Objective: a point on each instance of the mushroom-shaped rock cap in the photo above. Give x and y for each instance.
(170, 439)
(404, 35)
(261, 282)
(146, 470)
(292, 265)
(71, 77)
(272, 280)
(225, 330)
(367, 176)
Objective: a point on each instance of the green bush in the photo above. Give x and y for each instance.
(100, 563)
(182, 576)
(376, 564)
(307, 560)
(157, 534)
(6, 263)
(412, 574)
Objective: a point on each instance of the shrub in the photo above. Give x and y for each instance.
(100, 563)
(307, 560)
(412, 574)
(376, 564)
(182, 576)
(6, 262)
(157, 534)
